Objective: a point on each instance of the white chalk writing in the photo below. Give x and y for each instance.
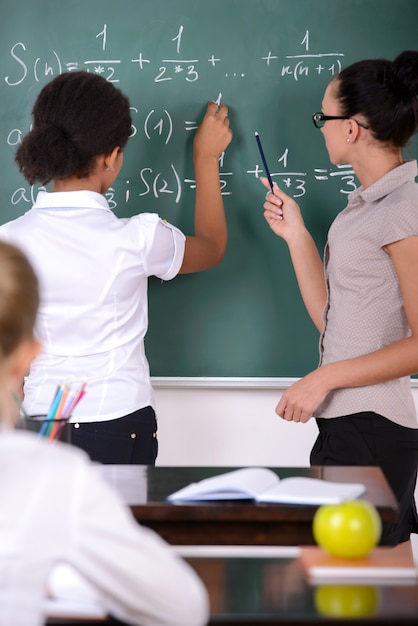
(160, 125)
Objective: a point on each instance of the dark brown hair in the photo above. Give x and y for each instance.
(76, 117)
(385, 92)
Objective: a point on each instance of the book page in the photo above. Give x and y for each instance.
(70, 595)
(239, 484)
(301, 490)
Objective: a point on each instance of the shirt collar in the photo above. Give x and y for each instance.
(389, 182)
(70, 200)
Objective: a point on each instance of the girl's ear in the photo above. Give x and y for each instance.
(110, 159)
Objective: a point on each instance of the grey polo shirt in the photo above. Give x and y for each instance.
(365, 311)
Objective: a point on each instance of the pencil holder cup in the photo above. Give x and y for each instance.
(51, 429)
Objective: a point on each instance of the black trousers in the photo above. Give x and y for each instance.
(127, 440)
(371, 439)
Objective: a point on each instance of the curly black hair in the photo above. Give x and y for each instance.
(76, 117)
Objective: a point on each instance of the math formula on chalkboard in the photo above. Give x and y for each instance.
(270, 61)
(299, 66)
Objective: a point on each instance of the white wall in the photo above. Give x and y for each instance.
(225, 427)
(201, 424)
(232, 426)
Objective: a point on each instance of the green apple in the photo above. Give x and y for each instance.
(349, 530)
(346, 600)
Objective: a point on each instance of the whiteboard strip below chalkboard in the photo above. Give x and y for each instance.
(169, 382)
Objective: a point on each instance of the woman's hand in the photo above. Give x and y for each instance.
(299, 402)
(281, 212)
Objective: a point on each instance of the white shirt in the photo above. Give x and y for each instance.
(56, 508)
(93, 269)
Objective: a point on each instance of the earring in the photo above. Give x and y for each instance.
(108, 168)
(348, 139)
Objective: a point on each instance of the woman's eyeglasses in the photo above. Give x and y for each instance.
(319, 119)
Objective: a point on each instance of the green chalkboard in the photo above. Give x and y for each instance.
(270, 61)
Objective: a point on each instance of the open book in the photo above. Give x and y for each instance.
(263, 485)
(71, 596)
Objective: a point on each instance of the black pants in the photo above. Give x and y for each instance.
(370, 439)
(130, 439)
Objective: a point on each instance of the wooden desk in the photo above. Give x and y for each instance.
(145, 489)
(274, 591)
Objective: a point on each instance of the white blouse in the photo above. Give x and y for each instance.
(56, 508)
(93, 269)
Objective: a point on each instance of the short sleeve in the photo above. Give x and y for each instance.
(163, 246)
(400, 221)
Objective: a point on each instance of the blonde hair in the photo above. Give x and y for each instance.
(19, 298)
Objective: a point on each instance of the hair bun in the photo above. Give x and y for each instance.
(63, 154)
(403, 74)
(52, 133)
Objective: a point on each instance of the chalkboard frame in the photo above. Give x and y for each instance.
(244, 319)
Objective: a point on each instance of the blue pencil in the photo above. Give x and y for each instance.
(45, 428)
(263, 158)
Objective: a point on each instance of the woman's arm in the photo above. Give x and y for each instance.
(284, 218)
(299, 402)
